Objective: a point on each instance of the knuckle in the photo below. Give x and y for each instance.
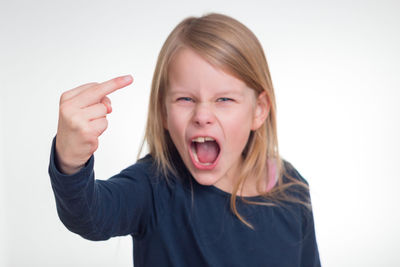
(111, 84)
(102, 124)
(64, 111)
(86, 132)
(92, 140)
(105, 123)
(94, 146)
(103, 108)
(64, 97)
(76, 123)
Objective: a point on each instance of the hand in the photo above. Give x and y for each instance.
(82, 119)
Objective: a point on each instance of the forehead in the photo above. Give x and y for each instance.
(189, 71)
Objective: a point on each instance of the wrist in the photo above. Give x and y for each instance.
(65, 167)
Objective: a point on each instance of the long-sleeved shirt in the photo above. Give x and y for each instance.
(174, 221)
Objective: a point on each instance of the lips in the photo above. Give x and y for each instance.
(204, 151)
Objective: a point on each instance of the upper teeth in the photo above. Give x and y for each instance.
(203, 139)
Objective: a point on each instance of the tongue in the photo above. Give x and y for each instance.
(207, 152)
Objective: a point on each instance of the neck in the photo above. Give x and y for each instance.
(251, 186)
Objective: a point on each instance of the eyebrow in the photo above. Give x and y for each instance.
(222, 92)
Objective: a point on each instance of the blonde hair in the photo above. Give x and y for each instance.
(228, 44)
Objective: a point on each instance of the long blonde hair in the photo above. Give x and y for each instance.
(228, 44)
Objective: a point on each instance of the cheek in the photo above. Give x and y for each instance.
(175, 133)
(175, 124)
(237, 127)
(240, 118)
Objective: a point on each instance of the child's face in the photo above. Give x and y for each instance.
(203, 101)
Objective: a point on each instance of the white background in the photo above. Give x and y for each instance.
(335, 67)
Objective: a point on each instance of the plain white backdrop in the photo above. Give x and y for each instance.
(334, 65)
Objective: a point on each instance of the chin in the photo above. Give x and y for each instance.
(205, 179)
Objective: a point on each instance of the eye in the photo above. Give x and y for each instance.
(185, 99)
(224, 99)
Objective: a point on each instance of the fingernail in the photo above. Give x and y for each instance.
(127, 78)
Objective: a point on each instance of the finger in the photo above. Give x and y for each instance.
(95, 111)
(107, 102)
(99, 125)
(73, 92)
(94, 94)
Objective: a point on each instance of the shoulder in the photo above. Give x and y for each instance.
(294, 185)
(289, 171)
(139, 176)
(146, 173)
(144, 167)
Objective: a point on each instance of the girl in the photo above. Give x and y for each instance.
(213, 190)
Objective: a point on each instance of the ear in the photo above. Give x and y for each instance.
(261, 111)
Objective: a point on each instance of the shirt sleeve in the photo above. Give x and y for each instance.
(310, 253)
(309, 249)
(98, 209)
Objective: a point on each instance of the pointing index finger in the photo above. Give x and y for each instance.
(110, 86)
(95, 94)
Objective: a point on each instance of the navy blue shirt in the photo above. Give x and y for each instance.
(178, 222)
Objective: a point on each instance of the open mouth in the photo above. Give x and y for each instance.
(205, 151)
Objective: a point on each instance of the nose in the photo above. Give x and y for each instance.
(203, 115)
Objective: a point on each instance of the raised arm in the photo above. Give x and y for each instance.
(94, 209)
